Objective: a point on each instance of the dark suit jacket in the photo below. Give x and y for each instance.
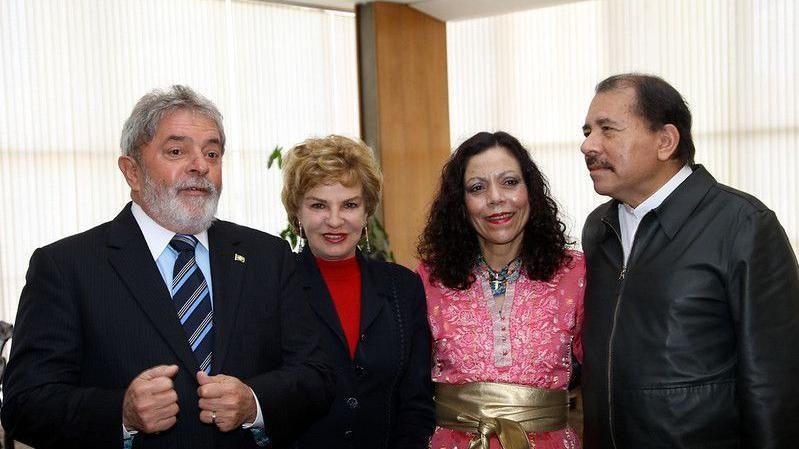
(95, 313)
(384, 397)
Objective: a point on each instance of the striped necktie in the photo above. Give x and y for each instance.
(192, 300)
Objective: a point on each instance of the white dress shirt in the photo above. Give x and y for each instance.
(630, 218)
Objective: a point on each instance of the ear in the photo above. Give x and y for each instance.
(132, 172)
(668, 139)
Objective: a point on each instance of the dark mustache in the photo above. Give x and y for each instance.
(594, 162)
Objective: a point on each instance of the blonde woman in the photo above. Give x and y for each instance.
(370, 314)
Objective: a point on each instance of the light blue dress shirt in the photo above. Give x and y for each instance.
(158, 238)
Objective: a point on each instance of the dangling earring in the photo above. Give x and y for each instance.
(366, 231)
(301, 243)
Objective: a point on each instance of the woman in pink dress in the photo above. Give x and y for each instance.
(504, 299)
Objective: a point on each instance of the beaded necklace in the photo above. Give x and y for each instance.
(499, 280)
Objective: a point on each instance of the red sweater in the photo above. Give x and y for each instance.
(343, 279)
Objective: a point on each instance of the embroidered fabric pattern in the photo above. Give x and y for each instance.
(537, 325)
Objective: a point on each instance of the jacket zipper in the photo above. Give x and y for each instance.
(622, 274)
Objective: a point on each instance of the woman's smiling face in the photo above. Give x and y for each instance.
(332, 218)
(496, 198)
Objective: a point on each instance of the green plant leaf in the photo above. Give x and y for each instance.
(277, 155)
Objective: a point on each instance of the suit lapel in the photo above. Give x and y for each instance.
(319, 296)
(375, 291)
(228, 262)
(133, 262)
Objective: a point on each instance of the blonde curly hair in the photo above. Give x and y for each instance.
(328, 160)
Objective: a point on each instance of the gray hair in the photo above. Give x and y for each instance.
(140, 127)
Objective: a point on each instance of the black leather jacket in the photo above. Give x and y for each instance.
(694, 343)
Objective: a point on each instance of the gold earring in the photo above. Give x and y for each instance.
(366, 231)
(301, 235)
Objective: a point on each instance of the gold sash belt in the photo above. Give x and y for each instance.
(506, 410)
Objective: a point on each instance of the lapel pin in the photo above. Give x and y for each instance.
(239, 258)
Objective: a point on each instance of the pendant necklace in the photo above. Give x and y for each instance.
(499, 280)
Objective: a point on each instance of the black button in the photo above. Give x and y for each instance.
(363, 337)
(359, 371)
(348, 434)
(352, 403)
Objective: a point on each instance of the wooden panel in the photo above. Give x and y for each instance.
(405, 112)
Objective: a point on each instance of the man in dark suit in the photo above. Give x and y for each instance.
(165, 327)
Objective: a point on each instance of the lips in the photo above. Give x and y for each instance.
(194, 191)
(334, 238)
(500, 218)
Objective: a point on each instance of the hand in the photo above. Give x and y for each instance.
(151, 403)
(227, 399)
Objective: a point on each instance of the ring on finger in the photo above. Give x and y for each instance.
(213, 417)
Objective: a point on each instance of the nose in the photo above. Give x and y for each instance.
(494, 195)
(334, 218)
(198, 163)
(589, 145)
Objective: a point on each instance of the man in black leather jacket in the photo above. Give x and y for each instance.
(692, 303)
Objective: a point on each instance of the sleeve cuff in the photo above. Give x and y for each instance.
(259, 417)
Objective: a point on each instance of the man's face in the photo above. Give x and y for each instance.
(621, 152)
(180, 176)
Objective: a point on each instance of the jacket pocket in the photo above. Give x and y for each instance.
(701, 416)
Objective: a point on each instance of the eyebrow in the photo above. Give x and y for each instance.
(505, 173)
(177, 138)
(602, 121)
(313, 198)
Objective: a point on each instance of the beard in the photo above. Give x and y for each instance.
(187, 215)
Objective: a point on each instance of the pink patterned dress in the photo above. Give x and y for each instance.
(528, 341)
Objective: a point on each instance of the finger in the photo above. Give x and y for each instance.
(159, 385)
(203, 378)
(165, 398)
(213, 404)
(165, 424)
(212, 390)
(225, 420)
(207, 416)
(168, 411)
(226, 424)
(159, 371)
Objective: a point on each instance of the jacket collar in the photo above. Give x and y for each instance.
(375, 292)
(318, 295)
(676, 208)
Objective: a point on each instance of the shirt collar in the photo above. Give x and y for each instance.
(157, 236)
(658, 197)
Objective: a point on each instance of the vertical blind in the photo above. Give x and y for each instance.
(71, 71)
(532, 74)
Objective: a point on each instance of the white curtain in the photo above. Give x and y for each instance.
(735, 61)
(71, 71)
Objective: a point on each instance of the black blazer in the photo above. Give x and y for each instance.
(95, 312)
(384, 397)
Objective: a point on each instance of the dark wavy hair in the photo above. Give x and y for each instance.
(449, 244)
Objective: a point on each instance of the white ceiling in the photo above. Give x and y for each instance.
(446, 10)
